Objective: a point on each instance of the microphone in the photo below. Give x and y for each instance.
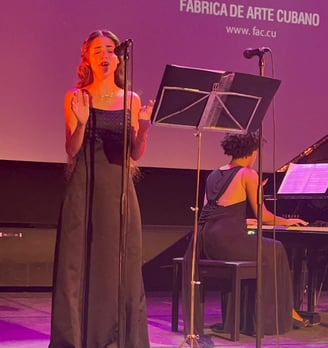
(121, 48)
(251, 52)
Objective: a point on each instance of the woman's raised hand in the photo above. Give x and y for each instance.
(146, 111)
(80, 106)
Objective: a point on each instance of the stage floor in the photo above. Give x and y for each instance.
(25, 322)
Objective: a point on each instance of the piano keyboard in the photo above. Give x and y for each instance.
(320, 229)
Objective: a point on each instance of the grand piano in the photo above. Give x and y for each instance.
(307, 247)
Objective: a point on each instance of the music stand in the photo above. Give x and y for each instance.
(210, 100)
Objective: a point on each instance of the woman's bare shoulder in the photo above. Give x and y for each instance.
(136, 103)
(135, 98)
(69, 94)
(249, 173)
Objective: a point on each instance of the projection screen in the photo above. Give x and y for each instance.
(41, 43)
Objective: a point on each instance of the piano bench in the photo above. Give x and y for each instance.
(232, 271)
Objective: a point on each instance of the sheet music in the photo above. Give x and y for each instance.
(305, 179)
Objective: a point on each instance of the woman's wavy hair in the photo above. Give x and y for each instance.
(84, 72)
(240, 145)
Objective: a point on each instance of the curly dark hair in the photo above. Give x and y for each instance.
(240, 145)
(84, 72)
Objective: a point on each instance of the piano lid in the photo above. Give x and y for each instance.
(316, 153)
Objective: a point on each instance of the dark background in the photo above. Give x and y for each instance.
(31, 194)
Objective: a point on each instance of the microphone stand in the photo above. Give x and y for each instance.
(193, 338)
(124, 206)
(88, 237)
(259, 227)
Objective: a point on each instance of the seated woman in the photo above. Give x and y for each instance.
(222, 234)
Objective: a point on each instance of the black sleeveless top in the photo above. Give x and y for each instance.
(105, 130)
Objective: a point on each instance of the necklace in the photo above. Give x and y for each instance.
(107, 96)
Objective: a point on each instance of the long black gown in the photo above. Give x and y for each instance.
(86, 275)
(222, 234)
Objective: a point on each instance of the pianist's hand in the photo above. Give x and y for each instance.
(296, 222)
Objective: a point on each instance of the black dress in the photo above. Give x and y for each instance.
(222, 234)
(86, 294)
